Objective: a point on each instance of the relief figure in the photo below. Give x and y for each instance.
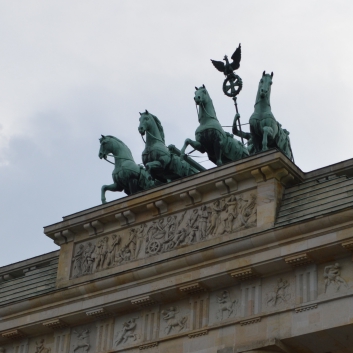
(280, 294)
(171, 317)
(113, 249)
(77, 260)
(132, 242)
(222, 220)
(192, 226)
(248, 211)
(82, 341)
(139, 238)
(101, 253)
(203, 218)
(127, 332)
(332, 275)
(40, 347)
(155, 236)
(170, 228)
(215, 212)
(88, 258)
(225, 304)
(232, 213)
(180, 237)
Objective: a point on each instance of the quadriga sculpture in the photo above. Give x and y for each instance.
(265, 131)
(127, 175)
(210, 137)
(161, 161)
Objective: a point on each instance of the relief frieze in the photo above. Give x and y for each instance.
(333, 279)
(82, 341)
(127, 333)
(280, 293)
(173, 320)
(224, 216)
(226, 306)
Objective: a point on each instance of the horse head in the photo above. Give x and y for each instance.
(105, 147)
(201, 95)
(265, 83)
(151, 124)
(111, 144)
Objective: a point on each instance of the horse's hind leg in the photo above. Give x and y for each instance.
(194, 144)
(111, 187)
(133, 185)
(217, 148)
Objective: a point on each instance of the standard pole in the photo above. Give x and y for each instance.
(236, 109)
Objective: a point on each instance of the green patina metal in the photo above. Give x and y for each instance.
(127, 175)
(265, 131)
(166, 163)
(219, 145)
(162, 162)
(232, 84)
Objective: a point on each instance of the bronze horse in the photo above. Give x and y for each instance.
(265, 131)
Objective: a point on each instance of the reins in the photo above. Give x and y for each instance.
(111, 155)
(159, 139)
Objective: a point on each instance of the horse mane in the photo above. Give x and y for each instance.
(116, 139)
(209, 97)
(159, 126)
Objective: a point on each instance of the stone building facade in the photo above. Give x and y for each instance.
(253, 256)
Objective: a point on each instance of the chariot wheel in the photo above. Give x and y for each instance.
(154, 246)
(232, 85)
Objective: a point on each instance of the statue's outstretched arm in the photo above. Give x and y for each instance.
(245, 135)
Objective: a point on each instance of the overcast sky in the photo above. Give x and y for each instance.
(72, 70)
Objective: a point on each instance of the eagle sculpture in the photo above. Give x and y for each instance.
(228, 68)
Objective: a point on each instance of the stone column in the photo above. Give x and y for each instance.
(105, 331)
(62, 341)
(251, 297)
(306, 283)
(21, 346)
(199, 311)
(151, 324)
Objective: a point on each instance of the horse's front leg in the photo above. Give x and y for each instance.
(111, 187)
(268, 131)
(196, 145)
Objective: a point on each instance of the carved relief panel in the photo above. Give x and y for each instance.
(42, 344)
(223, 216)
(127, 330)
(83, 339)
(174, 318)
(335, 278)
(225, 304)
(278, 292)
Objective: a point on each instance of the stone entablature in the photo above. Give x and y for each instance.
(228, 215)
(221, 203)
(219, 288)
(244, 307)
